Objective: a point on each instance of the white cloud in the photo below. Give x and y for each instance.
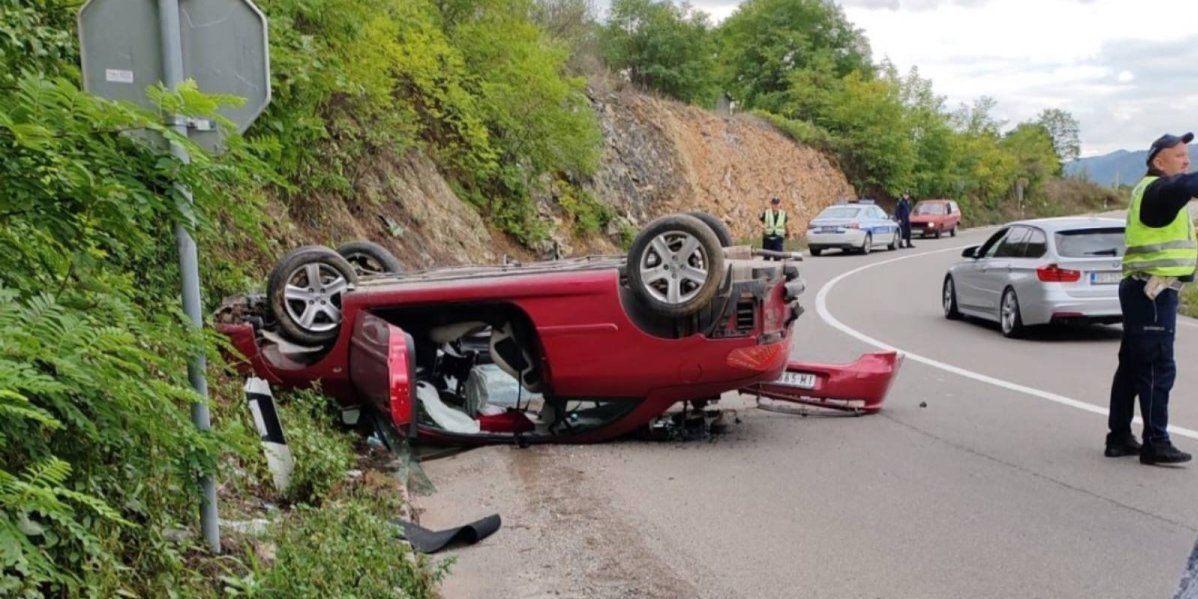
(1109, 62)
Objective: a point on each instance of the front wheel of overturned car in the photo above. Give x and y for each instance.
(369, 258)
(675, 265)
(305, 290)
(719, 227)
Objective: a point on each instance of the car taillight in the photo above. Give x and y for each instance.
(854, 226)
(1055, 274)
(757, 357)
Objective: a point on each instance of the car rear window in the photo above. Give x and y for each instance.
(839, 212)
(929, 209)
(1084, 243)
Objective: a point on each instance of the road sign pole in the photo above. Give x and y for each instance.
(172, 60)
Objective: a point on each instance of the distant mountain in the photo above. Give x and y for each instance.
(1127, 166)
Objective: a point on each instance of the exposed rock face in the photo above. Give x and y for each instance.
(660, 156)
(663, 156)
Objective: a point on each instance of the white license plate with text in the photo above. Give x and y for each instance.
(802, 380)
(1105, 278)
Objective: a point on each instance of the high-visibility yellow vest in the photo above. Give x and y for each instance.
(775, 223)
(1169, 251)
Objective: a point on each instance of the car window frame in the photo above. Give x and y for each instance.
(1017, 245)
(993, 241)
(1026, 253)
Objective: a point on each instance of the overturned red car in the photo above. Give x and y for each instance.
(574, 350)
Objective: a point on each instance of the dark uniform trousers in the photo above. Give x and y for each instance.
(772, 242)
(1146, 366)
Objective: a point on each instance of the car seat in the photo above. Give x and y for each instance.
(509, 351)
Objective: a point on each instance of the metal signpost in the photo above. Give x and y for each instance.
(130, 45)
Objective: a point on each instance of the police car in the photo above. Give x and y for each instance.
(860, 226)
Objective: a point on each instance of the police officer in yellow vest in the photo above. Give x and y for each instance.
(1161, 255)
(774, 218)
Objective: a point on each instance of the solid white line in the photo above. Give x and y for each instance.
(821, 307)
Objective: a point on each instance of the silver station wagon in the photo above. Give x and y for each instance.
(1042, 271)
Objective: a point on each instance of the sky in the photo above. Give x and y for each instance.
(1126, 69)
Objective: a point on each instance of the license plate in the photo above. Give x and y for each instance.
(1105, 278)
(802, 380)
(829, 230)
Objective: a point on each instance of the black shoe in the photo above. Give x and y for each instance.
(1163, 453)
(1119, 449)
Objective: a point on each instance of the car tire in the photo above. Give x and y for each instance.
(719, 227)
(937, 233)
(868, 245)
(369, 258)
(304, 291)
(948, 299)
(668, 283)
(953, 231)
(816, 251)
(893, 242)
(1010, 322)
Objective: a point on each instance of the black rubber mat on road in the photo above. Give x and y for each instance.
(430, 541)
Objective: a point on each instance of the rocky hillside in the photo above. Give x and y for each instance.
(660, 156)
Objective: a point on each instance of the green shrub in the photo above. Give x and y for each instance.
(346, 549)
(589, 214)
(322, 454)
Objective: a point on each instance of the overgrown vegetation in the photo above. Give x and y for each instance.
(476, 84)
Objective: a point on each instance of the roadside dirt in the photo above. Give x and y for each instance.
(560, 537)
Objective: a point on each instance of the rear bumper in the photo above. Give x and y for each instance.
(859, 386)
(1058, 306)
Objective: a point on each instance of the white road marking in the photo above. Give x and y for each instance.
(821, 307)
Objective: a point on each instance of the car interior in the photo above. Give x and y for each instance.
(479, 371)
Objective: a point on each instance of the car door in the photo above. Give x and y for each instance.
(1000, 267)
(967, 277)
(879, 226)
(889, 225)
(382, 368)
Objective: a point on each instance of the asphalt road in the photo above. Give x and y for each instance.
(997, 488)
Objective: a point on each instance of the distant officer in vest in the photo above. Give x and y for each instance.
(1161, 255)
(774, 219)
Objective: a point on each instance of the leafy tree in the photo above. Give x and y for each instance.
(932, 135)
(1063, 129)
(664, 47)
(576, 24)
(540, 121)
(1031, 144)
(868, 125)
(766, 42)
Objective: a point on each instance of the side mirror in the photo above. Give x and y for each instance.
(970, 252)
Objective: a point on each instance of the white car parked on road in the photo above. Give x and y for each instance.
(859, 226)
